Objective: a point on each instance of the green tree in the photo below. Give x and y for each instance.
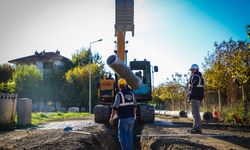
(28, 80)
(82, 57)
(53, 85)
(6, 72)
(77, 78)
(228, 65)
(77, 85)
(173, 91)
(216, 79)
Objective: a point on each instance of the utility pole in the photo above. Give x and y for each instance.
(90, 71)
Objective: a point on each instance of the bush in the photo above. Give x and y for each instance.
(229, 112)
(42, 115)
(8, 87)
(59, 114)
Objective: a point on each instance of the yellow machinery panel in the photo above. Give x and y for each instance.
(107, 84)
(106, 90)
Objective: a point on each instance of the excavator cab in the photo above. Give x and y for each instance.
(142, 69)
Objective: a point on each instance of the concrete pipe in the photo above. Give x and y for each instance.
(181, 113)
(124, 72)
(162, 112)
(156, 112)
(7, 108)
(24, 109)
(205, 116)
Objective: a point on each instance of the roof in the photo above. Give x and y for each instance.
(43, 56)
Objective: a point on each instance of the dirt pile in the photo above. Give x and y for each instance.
(102, 137)
(163, 134)
(168, 137)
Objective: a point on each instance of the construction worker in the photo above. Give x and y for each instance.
(125, 107)
(196, 94)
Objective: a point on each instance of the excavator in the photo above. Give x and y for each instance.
(136, 73)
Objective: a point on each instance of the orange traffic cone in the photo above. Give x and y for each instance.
(215, 115)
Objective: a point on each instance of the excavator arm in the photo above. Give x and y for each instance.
(140, 83)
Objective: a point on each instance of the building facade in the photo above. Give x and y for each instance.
(43, 60)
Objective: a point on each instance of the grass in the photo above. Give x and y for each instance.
(38, 118)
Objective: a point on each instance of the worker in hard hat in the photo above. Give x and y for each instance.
(196, 95)
(125, 107)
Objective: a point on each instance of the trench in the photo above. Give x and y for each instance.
(104, 136)
(162, 127)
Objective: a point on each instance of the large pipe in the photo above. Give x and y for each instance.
(7, 108)
(205, 116)
(124, 72)
(162, 112)
(181, 113)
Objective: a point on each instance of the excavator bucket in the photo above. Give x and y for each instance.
(124, 16)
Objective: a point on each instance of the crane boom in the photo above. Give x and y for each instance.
(124, 21)
(121, 46)
(136, 73)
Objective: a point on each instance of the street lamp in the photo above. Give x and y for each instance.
(90, 57)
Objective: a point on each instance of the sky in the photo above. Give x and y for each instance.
(172, 34)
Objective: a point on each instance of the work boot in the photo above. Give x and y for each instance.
(195, 131)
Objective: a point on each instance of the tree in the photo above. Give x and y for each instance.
(28, 80)
(173, 91)
(53, 85)
(216, 79)
(6, 72)
(77, 85)
(227, 66)
(82, 57)
(77, 78)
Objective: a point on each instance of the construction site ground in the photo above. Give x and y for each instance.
(165, 133)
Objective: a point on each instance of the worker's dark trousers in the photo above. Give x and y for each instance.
(125, 133)
(196, 113)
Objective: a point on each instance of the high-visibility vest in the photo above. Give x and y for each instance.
(201, 81)
(127, 104)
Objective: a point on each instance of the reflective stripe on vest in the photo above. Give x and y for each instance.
(199, 84)
(123, 100)
(126, 104)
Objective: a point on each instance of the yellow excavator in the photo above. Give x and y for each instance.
(137, 73)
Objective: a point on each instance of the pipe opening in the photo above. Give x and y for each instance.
(111, 59)
(208, 116)
(183, 113)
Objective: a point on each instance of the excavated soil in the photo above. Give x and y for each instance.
(171, 133)
(101, 137)
(157, 136)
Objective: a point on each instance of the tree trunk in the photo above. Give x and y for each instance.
(55, 106)
(243, 93)
(219, 98)
(245, 104)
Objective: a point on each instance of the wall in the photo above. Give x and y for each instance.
(58, 63)
(39, 65)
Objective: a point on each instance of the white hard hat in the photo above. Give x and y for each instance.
(194, 66)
